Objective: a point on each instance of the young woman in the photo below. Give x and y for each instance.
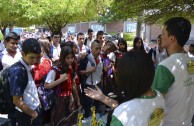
(139, 105)
(62, 80)
(40, 70)
(138, 44)
(122, 45)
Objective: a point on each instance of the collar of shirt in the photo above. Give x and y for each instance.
(56, 47)
(28, 67)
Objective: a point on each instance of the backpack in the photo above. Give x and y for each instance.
(6, 100)
(82, 66)
(152, 51)
(48, 96)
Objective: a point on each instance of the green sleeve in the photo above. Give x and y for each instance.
(163, 79)
(115, 121)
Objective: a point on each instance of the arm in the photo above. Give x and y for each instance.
(62, 78)
(18, 101)
(75, 93)
(87, 71)
(98, 95)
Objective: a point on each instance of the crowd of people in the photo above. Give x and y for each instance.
(152, 86)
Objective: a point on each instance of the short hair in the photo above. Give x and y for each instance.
(12, 35)
(80, 33)
(133, 76)
(31, 45)
(180, 28)
(55, 33)
(95, 42)
(99, 33)
(90, 30)
(191, 45)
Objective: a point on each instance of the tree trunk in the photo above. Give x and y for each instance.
(139, 23)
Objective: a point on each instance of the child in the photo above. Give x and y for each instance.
(63, 83)
(22, 86)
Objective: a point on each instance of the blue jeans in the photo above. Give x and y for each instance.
(25, 120)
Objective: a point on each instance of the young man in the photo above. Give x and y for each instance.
(82, 49)
(91, 68)
(172, 78)
(158, 54)
(100, 37)
(11, 53)
(55, 47)
(89, 39)
(22, 86)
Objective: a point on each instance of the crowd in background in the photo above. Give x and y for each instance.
(86, 71)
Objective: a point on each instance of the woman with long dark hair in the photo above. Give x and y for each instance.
(138, 104)
(61, 78)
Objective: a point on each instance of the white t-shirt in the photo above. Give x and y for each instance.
(147, 111)
(56, 51)
(30, 96)
(173, 80)
(95, 77)
(8, 60)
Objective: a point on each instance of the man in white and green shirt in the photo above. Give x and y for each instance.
(172, 78)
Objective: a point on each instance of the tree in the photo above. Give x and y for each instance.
(57, 13)
(13, 13)
(154, 11)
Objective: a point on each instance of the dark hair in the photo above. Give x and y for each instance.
(159, 36)
(99, 33)
(135, 75)
(55, 33)
(49, 38)
(180, 28)
(191, 45)
(90, 30)
(45, 44)
(136, 39)
(66, 50)
(112, 45)
(68, 43)
(122, 40)
(31, 45)
(12, 35)
(80, 33)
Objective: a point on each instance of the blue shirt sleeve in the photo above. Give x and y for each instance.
(18, 80)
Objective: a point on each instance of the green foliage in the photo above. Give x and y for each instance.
(128, 36)
(152, 11)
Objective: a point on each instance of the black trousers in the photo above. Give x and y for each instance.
(25, 120)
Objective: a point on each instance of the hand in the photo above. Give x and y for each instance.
(94, 94)
(63, 77)
(92, 69)
(34, 116)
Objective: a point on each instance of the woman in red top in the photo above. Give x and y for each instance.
(40, 70)
(64, 84)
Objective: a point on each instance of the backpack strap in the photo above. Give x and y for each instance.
(51, 52)
(1, 65)
(85, 41)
